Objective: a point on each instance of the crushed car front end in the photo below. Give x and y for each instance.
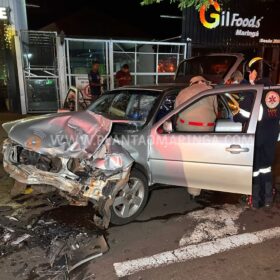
(88, 168)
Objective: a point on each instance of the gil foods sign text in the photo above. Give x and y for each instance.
(229, 19)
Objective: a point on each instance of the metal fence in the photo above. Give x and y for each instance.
(40, 70)
(51, 64)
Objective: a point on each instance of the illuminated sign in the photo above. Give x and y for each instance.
(270, 41)
(3, 13)
(229, 19)
(215, 16)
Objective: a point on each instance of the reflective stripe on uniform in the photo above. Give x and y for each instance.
(201, 124)
(196, 123)
(265, 170)
(260, 113)
(262, 171)
(245, 114)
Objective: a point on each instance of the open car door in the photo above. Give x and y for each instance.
(220, 160)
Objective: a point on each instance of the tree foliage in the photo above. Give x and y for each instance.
(182, 4)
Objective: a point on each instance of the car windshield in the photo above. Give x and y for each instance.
(213, 68)
(131, 105)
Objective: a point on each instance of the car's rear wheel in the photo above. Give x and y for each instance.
(131, 199)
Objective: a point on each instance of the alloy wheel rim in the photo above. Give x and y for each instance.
(129, 199)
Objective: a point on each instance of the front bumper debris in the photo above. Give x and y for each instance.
(99, 189)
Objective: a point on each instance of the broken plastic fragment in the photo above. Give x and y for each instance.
(20, 239)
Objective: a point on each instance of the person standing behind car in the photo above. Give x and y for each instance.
(200, 116)
(237, 78)
(266, 133)
(94, 80)
(123, 76)
(245, 99)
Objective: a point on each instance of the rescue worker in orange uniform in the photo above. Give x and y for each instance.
(200, 116)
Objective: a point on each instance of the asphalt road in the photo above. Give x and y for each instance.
(169, 216)
(170, 221)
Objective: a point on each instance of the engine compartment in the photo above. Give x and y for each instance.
(41, 162)
(97, 179)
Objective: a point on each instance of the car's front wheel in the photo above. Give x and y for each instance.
(131, 199)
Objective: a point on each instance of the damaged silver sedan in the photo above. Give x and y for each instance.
(128, 141)
(73, 153)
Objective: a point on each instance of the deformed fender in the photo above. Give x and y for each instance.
(105, 204)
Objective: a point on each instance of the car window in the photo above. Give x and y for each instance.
(119, 105)
(102, 104)
(126, 104)
(216, 113)
(166, 106)
(140, 106)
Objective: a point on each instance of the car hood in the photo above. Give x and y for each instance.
(73, 134)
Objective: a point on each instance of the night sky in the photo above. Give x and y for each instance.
(146, 20)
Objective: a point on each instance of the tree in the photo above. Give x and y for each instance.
(182, 4)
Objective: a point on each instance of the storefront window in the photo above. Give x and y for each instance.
(146, 79)
(82, 54)
(42, 95)
(40, 70)
(165, 79)
(124, 58)
(167, 63)
(148, 63)
(79, 63)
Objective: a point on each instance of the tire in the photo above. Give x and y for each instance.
(134, 200)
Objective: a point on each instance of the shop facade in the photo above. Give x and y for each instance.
(12, 20)
(49, 64)
(238, 26)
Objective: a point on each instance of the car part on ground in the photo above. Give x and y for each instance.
(65, 247)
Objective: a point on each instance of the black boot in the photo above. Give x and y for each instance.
(256, 196)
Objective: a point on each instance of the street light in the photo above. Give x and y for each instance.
(172, 17)
(32, 6)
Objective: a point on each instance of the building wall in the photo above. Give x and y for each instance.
(17, 12)
(17, 20)
(242, 27)
(236, 23)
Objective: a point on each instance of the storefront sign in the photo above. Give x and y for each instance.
(229, 19)
(3, 13)
(270, 41)
(236, 22)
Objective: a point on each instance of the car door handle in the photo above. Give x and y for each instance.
(237, 149)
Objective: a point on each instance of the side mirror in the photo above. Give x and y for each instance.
(228, 126)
